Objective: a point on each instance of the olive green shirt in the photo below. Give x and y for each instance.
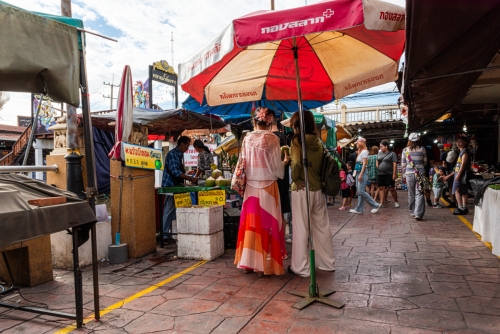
(315, 158)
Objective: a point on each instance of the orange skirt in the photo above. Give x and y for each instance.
(261, 235)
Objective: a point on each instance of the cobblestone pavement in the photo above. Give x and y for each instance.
(394, 274)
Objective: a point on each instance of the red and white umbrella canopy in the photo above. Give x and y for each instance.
(344, 46)
(124, 115)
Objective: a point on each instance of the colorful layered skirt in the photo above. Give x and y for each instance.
(261, 236)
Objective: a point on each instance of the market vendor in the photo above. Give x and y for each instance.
(205, 158)
(174, 174)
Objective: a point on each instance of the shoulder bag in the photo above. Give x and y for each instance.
(239, 180)
(423, 183)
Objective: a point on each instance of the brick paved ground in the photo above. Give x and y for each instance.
(394, 274)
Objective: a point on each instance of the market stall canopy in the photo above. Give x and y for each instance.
(158, 122)
(230, 144)
(452, 57)
(37, 50)
(238, 111)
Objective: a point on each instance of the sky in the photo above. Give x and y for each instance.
(143, 29)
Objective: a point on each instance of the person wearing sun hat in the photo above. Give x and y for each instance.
(361, 178)
(413, 160)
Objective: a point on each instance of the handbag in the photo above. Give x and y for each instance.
(358, 167)
(239, 180)
(423, 183)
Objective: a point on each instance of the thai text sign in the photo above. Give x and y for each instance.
(142, 157)
(191, 155)
(212, 197)
(163, 77)
(182, 200)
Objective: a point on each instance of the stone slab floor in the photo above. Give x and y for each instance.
(394, 274)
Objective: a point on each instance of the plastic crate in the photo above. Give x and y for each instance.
(231, 227)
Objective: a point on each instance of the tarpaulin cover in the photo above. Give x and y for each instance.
(103, 142)
(244, 109)
(446, 38)
(34, 49)
(161, 122)
(20, 221)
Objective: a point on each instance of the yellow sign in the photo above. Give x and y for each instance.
(182, 200)
(212, 197)
(142, 157)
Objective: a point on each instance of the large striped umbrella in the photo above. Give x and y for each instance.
(342, 47)
(317, 52)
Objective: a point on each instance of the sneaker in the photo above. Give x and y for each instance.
(438, 206)
(459, 211)
(375, 210)
(429, 203)
(354, 211)
(418, 218)
(466, 211)
(452, 205)
(288, 241)
(412, 214)
(396, 205)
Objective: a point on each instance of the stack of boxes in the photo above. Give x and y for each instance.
(200, 232)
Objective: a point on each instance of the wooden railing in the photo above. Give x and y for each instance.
(17, 148)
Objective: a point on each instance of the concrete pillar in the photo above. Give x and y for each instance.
(159, 173)
(40, 145)
(344, 114)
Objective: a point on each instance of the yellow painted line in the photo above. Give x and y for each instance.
(469, 225)
(133, 297)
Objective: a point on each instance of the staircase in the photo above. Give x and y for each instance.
(18, 149)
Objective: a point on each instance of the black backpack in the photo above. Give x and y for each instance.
(330, 174)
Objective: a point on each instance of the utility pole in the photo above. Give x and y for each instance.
(272, 4)
(172, 64)
(71, 116)
(111, 97)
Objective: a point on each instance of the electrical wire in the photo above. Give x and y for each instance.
(17, 279)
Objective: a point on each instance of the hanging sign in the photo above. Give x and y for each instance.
(182, 200)
(162, 72)
(212, 197)
(191, 155)
(142, 157)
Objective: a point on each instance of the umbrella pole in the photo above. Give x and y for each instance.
(314, 293)
(117, 235)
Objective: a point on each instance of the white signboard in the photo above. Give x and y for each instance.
(191, 156)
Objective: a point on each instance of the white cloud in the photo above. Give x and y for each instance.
(143, 29)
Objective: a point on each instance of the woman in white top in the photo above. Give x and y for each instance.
(362, 178)
(261, 242)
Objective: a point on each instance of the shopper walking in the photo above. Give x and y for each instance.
(387, 172)
(460, 183)
(320, 230)
(345, 187)
(413, 160)
(449, 161)
(373, 172)
(260, 242)
(361, 175)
